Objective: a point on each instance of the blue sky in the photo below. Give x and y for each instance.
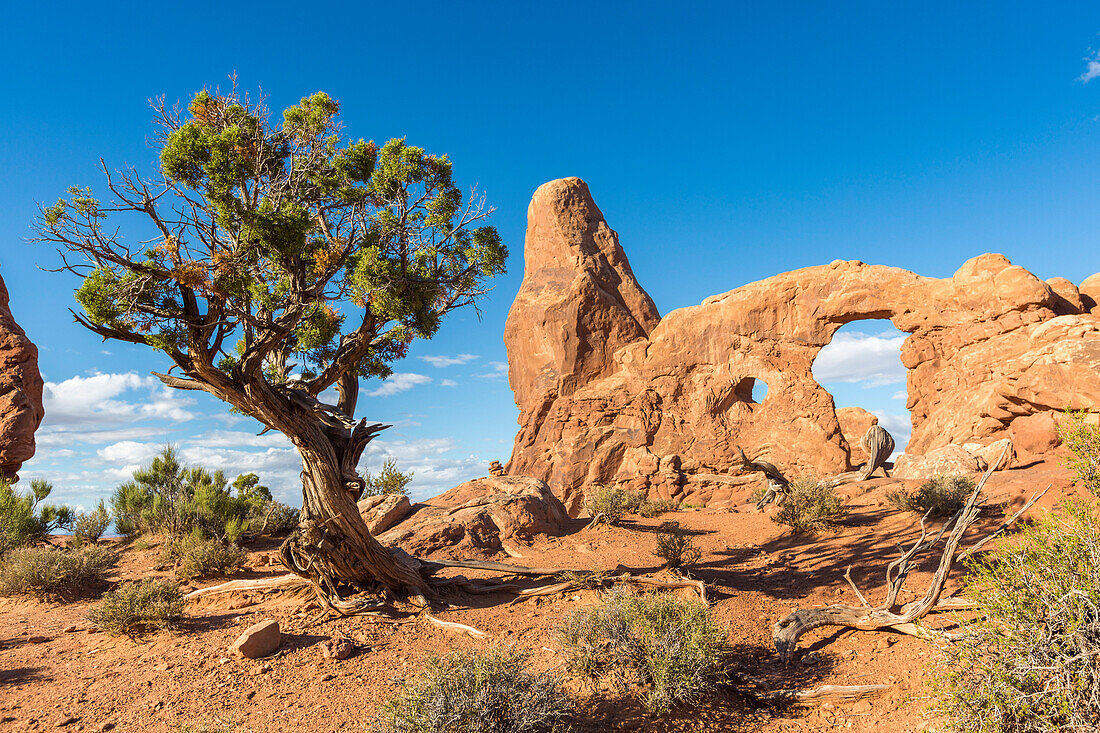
(725, 142)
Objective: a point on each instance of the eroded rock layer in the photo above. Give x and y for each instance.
(20, 392)
(610, 392)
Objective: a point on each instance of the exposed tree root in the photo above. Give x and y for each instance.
(787, 631)
(453, 626)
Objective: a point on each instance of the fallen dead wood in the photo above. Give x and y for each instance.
(787, 631)
(290, 581)
(758, 691)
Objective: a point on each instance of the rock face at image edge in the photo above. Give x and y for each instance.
(610, 392)
(20, 392)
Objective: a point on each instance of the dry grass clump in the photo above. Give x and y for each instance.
(940, 495)
(144, 606)
(51, 572)
(809, 505)
(659, 640)
(195, 556)
(1030, 662)
(676, 548)
(477, 692)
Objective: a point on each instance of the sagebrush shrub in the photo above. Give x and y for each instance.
(144, 606)
(656, 639)
(195, 556)
(477, 692)
(650, 508)
(1083, 440)
(1030, 660)
(88, 527)
(943, 495)
(676, 548)
(52, 572)
(809, 505)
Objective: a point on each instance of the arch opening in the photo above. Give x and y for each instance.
(861, 368)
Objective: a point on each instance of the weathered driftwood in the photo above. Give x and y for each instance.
(879, 446)
(787, 631)
(777, 482)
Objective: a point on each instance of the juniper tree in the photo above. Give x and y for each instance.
(273, 260)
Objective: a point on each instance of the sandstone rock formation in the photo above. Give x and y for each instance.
(20, 392)
(854, 423)
(478, 516)
(382, 512)
(610, 392)
(258, 640)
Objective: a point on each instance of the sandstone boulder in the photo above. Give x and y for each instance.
(20, 392)
(258, 640)
(479, 515)
(1035, 434)
(606, 388)
(1090, 291)
(382, 512)
(945, 461)
(337, 648)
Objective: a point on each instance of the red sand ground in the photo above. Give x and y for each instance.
(85, 680)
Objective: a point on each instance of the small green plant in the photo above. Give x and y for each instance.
(1083, 440)
(24, 519)
(612, 503)
(388, 481)
(670, 644)
(144, 606)
(477, 692)
(51, 572)
(676, 548)
(942, 495)
(277, 519)
(809, 505)
(195, 556)
(1030, 660)
(650, 508)
(88, 527)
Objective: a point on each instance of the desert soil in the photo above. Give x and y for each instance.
(80, 679)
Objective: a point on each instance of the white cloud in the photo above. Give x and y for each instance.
(861, 357)
(901, 394)
(129, 452)
(1092, 70)
(899, 426)
(399, 382)
(448, 361)
(497, 370)
(448, 383)
(96, 400)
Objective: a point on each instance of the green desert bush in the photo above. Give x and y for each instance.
(614, 503)
(477, 692)
(676, 548)
(388, 481)
(941, 495)
(88, 527)
(167, 497)
(196, 556)
(1083, 440)
(657, 639)
(809, 505)
(144, 606)
(52, 572)
(1030, 662)
(650, 508)
(25, 519)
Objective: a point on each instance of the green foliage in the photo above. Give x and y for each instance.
(1083, 440)
(943, 495)
(1030, 660)
(88, 527)
(168, 497)
(809, 505)
(24, 519)
(650, 508)
(144, 606)
(670, 644)
(477, 692)
(294, 222)
(52, 572)
(612, 502)
(676, 548)
(195, 556)
(388, 481)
